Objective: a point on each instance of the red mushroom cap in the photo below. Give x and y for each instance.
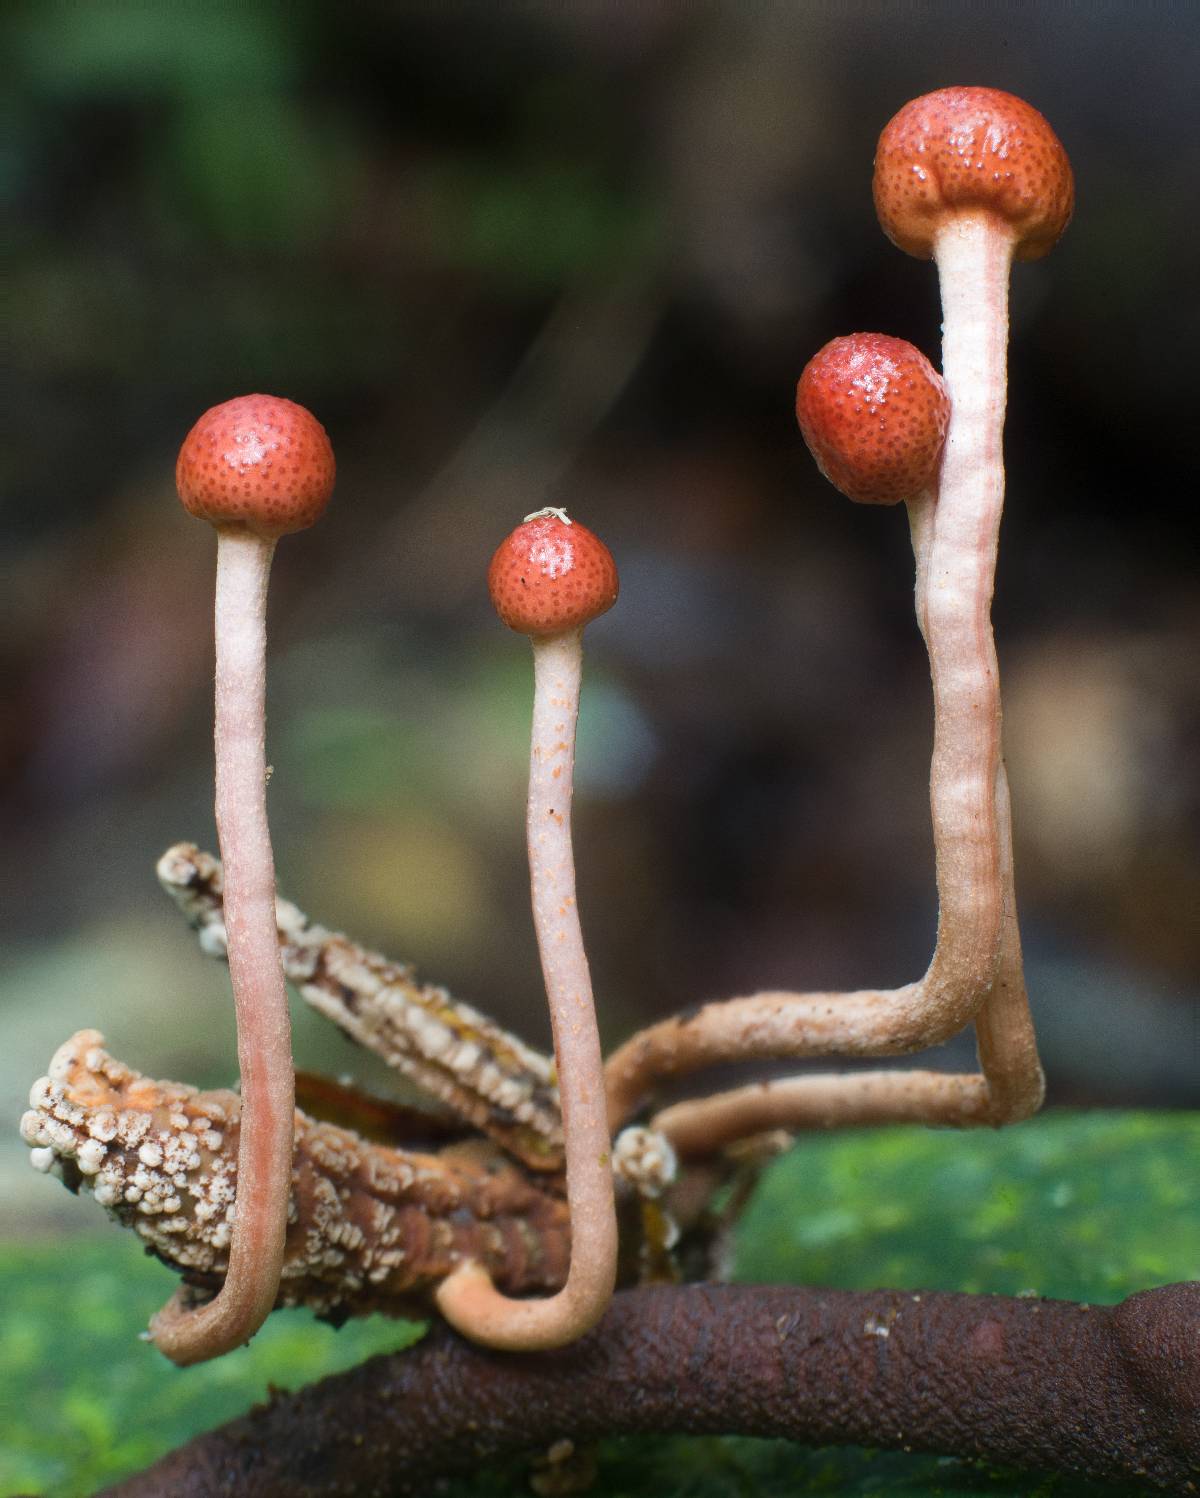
(972, 148)
(874, 412)
(550, 575)
(257, 461)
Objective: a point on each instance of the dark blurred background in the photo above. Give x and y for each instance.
(578, 254)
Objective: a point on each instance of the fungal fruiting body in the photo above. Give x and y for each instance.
(548, 579)
(551, 575)
(972, 177)
(256, 468)
(975, 177)
(873, 411)
(962, 150)
(258, 461)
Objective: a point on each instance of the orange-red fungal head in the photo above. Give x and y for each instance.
(551, 575)
(972, 149)
(257, 461)
(874, 412)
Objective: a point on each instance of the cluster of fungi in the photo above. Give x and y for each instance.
(231, 1189)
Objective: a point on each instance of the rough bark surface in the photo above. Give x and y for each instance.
(1111, 1392)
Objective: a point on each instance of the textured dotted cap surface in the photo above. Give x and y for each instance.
(550, 575)
(874, 412)
(972, 148)
(260, 461)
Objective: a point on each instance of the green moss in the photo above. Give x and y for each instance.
(85, 1401)
(1085, 1206)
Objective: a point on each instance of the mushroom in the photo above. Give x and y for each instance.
(548, 579)
(975, 178)
(874, 412)
(972, 177)
(256, 468)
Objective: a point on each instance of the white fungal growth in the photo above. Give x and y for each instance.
(644, 1159)
(90, 1156)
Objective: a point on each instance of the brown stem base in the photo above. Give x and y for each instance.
(1111, 1392)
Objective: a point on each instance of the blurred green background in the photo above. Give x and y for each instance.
(579, 254)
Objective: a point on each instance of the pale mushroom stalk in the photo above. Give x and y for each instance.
(1004, 1030)
(1015, 1084)
(264, 1037)
(467, 1298)
(256, 467)
(701, 1127)
(974, 253)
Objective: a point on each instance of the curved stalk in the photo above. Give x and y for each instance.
(467, 1298)
(260, 996)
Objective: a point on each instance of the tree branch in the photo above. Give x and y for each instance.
(1106, 1391)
